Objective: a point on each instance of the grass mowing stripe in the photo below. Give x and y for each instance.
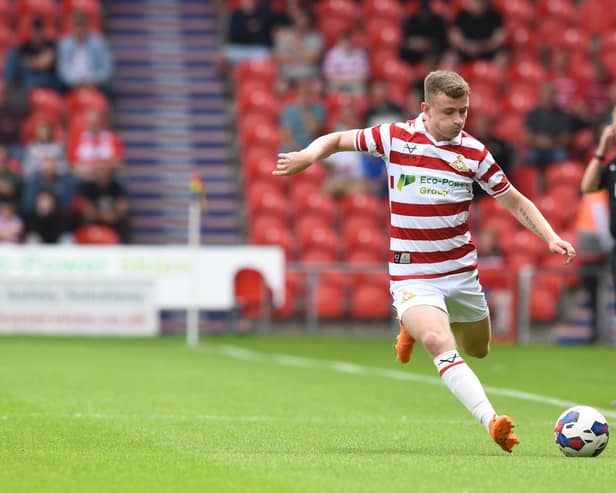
(354, 369)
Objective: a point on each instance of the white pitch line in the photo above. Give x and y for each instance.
(354, 369)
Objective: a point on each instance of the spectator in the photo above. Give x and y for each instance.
(488, 251)
(11, 119)
(502, 151)
(381, 109)
(302, 121)
(346, 67)
(249, 33)
(425, 36)
(477, 32)
(297, 48)
(61, 186)
(95, 146)
(45, 223)
(548, 130)
(412, 105)
(34, 61)
(568, 91)
(84, 57)
(104, 202)
(43, 146)
(346, 170)
(10, 180)
(11, 226)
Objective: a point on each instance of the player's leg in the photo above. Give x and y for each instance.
(473, 337)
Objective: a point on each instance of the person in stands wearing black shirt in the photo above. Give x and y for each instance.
(477, 32)
(597, 177)
(105, 202)
(37, 59)
(425, 36)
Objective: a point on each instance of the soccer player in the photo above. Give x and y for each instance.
(431, 164)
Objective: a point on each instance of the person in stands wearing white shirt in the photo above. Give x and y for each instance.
(94, 146)
(431, 164)
(346, 67)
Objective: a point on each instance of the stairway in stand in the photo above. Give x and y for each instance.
(170, 113)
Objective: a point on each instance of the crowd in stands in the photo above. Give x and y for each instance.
(59, 156)
(543, 81)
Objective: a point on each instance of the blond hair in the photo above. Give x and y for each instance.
(450, 83)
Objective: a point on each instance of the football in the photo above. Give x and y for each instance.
(581, 431)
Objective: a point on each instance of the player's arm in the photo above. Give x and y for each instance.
(290, 163)
(592, 174)
(527, 213)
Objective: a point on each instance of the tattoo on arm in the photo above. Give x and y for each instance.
(528, 222)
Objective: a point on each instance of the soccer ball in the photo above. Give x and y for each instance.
(581, 431)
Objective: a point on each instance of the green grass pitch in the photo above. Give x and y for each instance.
(285, 414)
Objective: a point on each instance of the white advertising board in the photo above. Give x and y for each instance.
(92, 307)
(183, 277)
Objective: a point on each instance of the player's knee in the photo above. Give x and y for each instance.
(436, 342)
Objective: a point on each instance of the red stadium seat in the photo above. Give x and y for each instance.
(523, 241)
(510, 128)
(94, 234)
(274, 235)
(370, 302)
(318, 203)
(323, 238)
(263, 134)
(262, 222)
(363, 204)
(307, 222)
(332, 28)
(521, 11)
(595, 16)
(569, 172)
(382, 9)
(316, 174)
(292, 288)
(317, 256)
(46, 101)
(262, 70)
(330, 301)
(547, 279)
(252, 295)
(24, 29)
(85, 98)
(43, 9)
(392, 71)
(261, 170)
(483, 72)
(543, 306)
(7, 39)
(560, 10)
(526, 71)
(272, 201)
(301, 190)
(366, 239)
(384, 33)
(520, 99)
(6, 11)
(262, 101)
(527, 180)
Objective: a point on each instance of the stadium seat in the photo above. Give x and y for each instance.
(263, 222)
(392, 71)
(527, 180)
(273, 235)
(520, 11)
(292, 290)
(362, 204)
(6, 11)
(523, 241)
(517, 260)
(47, 10)
(511, 128)
(520, 99)
(316, 256)
(301, 190)
(483, 72)
(370, 302)
(261, 170)
(331, 28)
(46, 101)
(596, 16)
(550, 280)
(389, 10)
(261, 70)
(94, 234)
(262, 101)
(330, 301)
(318, 203)
(264, 197)
(85, 98)
(384, 33)
(252, 296)
(316, 174)
(543, 305)
(561, 10)
(366, 238)
(306, 222)
(526, 71)
(322, 238)
(263, 134)
(565, 173)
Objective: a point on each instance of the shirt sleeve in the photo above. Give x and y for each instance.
(374, 140)
(491, 177)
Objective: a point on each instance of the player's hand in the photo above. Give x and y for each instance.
(290, 163)
(564, 248)
(607, 136)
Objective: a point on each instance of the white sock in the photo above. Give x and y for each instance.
(465, 385)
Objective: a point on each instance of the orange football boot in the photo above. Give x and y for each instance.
(501, 431)
(404, 345)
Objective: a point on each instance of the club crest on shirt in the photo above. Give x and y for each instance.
(459, 164)
(406, 295)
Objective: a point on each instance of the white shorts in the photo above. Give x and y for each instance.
(460, 296)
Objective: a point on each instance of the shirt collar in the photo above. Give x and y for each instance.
(421, 127)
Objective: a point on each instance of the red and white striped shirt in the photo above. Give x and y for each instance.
(430, 193)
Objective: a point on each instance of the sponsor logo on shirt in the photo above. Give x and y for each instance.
(459, 164)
